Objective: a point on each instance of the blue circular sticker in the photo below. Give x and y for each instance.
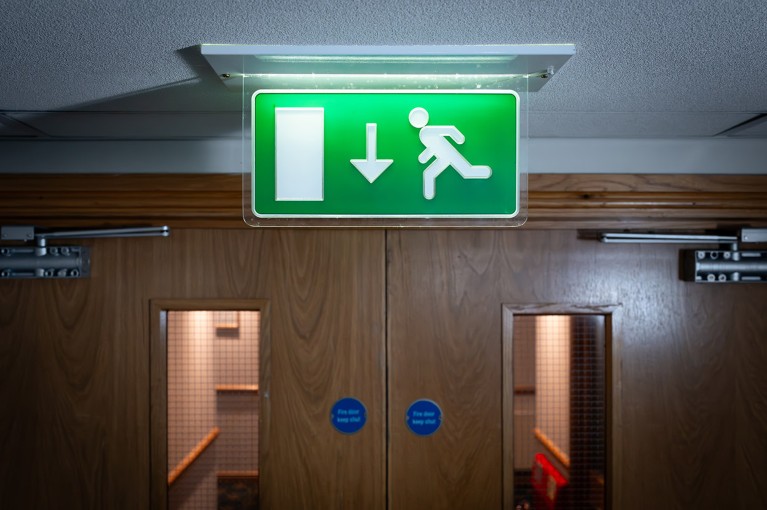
(348, 415)
(423, 417)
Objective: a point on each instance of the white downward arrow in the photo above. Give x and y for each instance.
(371, 167)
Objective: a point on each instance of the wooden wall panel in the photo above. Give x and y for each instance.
(694, 406)
(19, 384)
(443, 348)
(75, 429)
(327, 344)
(750, 402)
(83, 349)
(555, 200)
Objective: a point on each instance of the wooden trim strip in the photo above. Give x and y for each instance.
(524, 390)
(561, 456)
(237, 387)
(554, 201)
(238, 474)
(193, 455)
(507, 407)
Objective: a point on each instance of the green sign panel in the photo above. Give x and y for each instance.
(396, 154)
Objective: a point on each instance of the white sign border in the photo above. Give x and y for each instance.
(380, 216)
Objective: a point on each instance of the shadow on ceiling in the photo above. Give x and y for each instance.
(198, 108)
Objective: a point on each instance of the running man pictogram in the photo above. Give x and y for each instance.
(437, 146)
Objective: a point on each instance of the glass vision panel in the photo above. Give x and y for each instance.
(213, 409)
(559, 412)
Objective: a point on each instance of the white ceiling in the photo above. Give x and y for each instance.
(121, 70)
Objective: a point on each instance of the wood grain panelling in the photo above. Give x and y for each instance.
(443, 347)
(327, 343)
(188, 200)
(555, 201)
(751, 404)
(694, 412)
(74, 430)
(83, 347)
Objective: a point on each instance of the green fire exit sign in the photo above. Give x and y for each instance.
(387, 153)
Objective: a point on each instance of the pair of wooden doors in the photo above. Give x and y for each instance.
(425, 323)
(389, 319)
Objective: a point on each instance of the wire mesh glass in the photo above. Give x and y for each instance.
(213, 409)
(559, 412)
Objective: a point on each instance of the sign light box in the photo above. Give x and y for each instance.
(390, 136)
(374, 154)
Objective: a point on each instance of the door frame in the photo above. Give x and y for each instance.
(613, 399)
(158, 366)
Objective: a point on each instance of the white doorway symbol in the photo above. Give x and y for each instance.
(299, 154)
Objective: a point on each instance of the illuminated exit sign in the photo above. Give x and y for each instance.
(385, 154)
